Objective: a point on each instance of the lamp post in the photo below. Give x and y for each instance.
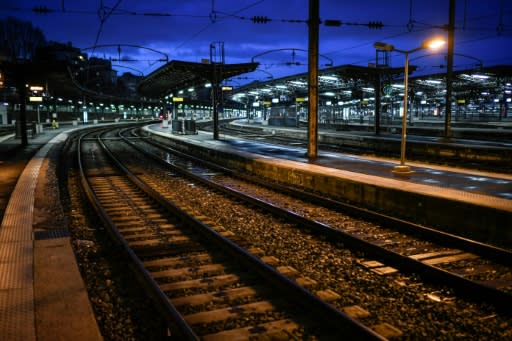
(431, 44)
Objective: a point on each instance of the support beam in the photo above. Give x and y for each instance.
(313, 25)
(449, 72)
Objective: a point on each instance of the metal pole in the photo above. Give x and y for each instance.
(215, 111)
(313, 24)
(377, 85)
(403, 168)
(22, 92)
(449, 72)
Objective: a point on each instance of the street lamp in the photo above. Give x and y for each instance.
(427, 44)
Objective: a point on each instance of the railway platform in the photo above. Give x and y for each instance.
(470, 203)
(42, 295)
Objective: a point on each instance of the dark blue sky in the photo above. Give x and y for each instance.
(484, 30)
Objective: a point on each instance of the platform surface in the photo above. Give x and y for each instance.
(42, 295)
(490, 185)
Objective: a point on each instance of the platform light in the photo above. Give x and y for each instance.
(329, 78)
(478, 76)
(36, 88)
(275, 100)
(433, 43)
(298, 83)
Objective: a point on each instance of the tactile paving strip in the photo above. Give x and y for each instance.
(17, 320)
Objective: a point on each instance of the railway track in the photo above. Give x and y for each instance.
(477, 269)
(474, 270)
(323, 285)
(208, 283)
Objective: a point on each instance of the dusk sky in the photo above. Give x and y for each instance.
(184, 29)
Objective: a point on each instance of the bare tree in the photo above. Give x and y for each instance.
(19, 39)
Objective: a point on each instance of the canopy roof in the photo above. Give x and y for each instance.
(180, 74)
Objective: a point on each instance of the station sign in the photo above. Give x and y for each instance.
(300, 99)
(177, 99)
(35, 98)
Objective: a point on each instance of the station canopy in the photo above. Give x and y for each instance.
(339, 81)
(181, 74)
(347, 82)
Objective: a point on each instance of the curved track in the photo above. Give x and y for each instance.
(379, 244)
(205, 284)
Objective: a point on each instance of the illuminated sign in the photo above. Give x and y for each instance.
(35, 99)
(177, 99)
(300, 99)
(36, 88)
(227, 88)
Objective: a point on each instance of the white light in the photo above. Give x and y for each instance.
(398, 86)
(485, 93)
(508, 100)
(208, 85)
(419, 93)
(340, 103)
(432, 81)
(496, 100)
(298, 83)
(480, 76)
(255, 104)
(328, 103)
(180, 92)
(275, 100)
(190, 89)
(331, 94)
(423, 101)
(281, 86)
(329, 78)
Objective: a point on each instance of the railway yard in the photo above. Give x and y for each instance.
(171, 244)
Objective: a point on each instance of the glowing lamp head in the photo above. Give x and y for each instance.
(434, 44)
